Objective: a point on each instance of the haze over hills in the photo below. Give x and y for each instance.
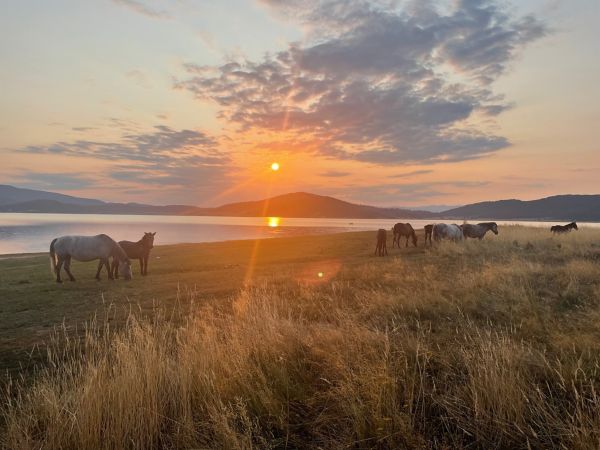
(302, 204)
(558, 207)
(14, 195)
(299, 204)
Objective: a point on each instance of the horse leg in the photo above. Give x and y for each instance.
(59, 264)
(100, 264)
(141, 260)
(68, 268)
(146, 265)
(115, 268)
(107, 264)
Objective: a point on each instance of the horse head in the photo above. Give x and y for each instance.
(125, 269)
(574, 226)
(494, 228)
(148, 240)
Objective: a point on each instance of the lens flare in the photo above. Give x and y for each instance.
(275, 167)
(273, 222)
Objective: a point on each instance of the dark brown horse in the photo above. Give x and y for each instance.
(381, 247)
(564, 228)
(478, 231)
(428, 232)
(406, 230)
(139, 250)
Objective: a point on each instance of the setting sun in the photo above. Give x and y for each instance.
(275, 166)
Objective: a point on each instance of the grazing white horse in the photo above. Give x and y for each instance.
(87, 248)
(447, 231)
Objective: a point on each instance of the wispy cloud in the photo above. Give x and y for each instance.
(334, 174)
(179, 161)
(138, 77)
(143, 9)
(413, 173)
(60, 181)
(388, 194)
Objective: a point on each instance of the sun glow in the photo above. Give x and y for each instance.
(273, 222)
(275, 166)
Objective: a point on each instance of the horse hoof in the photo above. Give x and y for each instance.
(59, 281)
(72, 279)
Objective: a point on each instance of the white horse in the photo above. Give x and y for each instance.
(447, 231)
(87, 248)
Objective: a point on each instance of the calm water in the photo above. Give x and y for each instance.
(23, 233)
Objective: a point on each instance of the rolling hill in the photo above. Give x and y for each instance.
(302, 204)
(559, 207)
(13, 195)
(299, 204)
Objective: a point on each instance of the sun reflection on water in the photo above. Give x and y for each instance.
(273, 222)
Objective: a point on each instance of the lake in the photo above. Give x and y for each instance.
(25, 233)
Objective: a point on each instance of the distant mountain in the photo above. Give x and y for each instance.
(53, 206)
(299, 204)
(559, 207)
(302, 204)
(12, 195)
(435, 208)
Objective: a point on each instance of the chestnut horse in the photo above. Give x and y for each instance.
(381, 247)
(428, 232)
(406, 230)
(139, 250)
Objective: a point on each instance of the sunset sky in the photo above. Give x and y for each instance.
(395, 103)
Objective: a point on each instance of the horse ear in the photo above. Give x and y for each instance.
(153, 234)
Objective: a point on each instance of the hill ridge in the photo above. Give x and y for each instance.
(563, 207)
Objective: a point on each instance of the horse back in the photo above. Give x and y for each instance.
(133, 249)
(84, 248)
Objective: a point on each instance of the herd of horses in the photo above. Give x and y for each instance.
(443, 231)
(103, 248)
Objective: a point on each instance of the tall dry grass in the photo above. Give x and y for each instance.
(490, 344)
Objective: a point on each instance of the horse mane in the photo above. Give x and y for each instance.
(487, 224)
(115, 247)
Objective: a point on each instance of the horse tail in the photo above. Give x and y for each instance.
(53, 256)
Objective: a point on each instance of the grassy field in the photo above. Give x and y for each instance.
(316, 344)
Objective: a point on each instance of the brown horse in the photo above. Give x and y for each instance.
(406, 230)
(139, 250)
(428, 232)
(563, 228)
(381, 247)
(478, 231)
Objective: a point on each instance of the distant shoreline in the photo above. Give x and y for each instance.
(433, 219)
(334, 231)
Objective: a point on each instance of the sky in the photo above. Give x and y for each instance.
(383, 102)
